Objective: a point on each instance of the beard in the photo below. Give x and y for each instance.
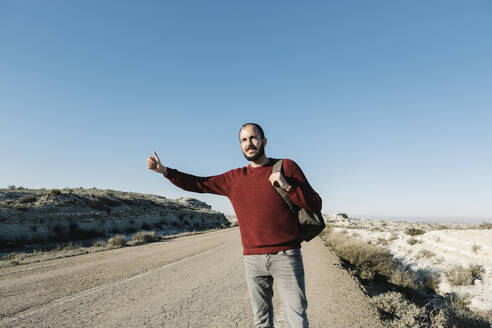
(260, 152)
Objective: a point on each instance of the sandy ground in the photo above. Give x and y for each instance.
(195, 281)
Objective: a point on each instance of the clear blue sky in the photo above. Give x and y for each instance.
(385, 105)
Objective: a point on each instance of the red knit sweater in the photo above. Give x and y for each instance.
(265, 221)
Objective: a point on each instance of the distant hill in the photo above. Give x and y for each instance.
(36, 215)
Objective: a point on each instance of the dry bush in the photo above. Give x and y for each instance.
(368, 259)
(414, 232)
(398, 311)
(476, 248)
(117, 241)
(458, 275)
(99, 243)
(453, 312)
(144, 237)
(404, 278)
(412, 241)
(485, 226)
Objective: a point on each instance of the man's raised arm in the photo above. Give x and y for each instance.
(218, 184)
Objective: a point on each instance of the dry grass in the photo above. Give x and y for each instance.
(414, 232)
(412, 241)
(117, 241)
(398, 312)
(476, 248)
(459, 275)
(368, 259)
(144, 237)
(485, 226)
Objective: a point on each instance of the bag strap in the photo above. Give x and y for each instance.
(277, 167)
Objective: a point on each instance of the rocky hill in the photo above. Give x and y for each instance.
(37, 215)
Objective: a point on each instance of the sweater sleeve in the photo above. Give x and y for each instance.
(301, 193)
(218, 184)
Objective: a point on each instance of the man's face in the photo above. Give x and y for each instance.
(252, 145)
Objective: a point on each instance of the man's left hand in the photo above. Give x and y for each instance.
(280, 179)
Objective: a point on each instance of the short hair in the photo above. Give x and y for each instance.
(260, 130)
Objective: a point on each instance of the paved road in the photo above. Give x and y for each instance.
(195, 281)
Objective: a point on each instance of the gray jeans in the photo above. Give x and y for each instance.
(287, 268)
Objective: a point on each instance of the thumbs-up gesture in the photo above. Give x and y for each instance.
(154, 164)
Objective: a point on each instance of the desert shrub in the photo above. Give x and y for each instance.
(144, 237)
(412, 241)
(424, 253)
(54, 192)
(27, 199)
(454, 312)
(414, 232)
(99, 243)
(344, 215)
(485, 225)
(368, 259)
(394, 236)
(398, 311)
(458, 275)
(476, 248)
(117, 241)
(430, 281)
(11, 187)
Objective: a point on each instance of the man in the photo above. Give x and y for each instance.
(270, 232)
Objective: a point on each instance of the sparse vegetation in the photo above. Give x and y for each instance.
(27, 199)
(476, 248)
(485, 226)
(412, 241)
(117, 241)
(421, 307)
(144, 237)
(414, 232)
(459, 275)
(54, 192)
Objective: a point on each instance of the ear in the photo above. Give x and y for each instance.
(264, 142)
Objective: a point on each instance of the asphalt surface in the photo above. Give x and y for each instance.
(194, 281)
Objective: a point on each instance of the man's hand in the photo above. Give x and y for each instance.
(154, 164)
(280, 180)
